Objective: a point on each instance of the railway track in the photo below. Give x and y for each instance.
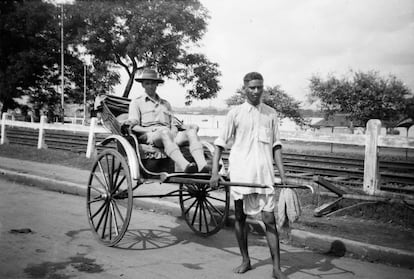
(396, 175)
(357, 163)
(352, 168)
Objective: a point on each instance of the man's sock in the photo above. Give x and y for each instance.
(197, 151)
(175, 154)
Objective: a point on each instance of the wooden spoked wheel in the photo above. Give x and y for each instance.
(109, 197)
(205, 210)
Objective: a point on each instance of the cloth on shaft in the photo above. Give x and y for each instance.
(288, 208)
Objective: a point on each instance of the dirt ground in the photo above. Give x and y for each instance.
(384, 224)
(388, 225)
(380, 224)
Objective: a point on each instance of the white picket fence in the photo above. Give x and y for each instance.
(371, 140)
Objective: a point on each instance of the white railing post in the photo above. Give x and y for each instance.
(371, 164)
(91, 139)
(3, 138)
(41, 140)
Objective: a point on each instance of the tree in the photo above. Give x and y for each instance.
(275, 97)
(136, 34)
(409, 109)
(363, 96)
(128, 34)
(30, 57)
(24, 37)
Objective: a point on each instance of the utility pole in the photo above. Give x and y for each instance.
(62, 63)
(84, 93)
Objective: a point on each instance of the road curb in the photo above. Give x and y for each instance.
(335, 246)
(45, 182)
(151, 204)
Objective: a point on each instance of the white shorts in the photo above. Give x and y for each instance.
(255, 203)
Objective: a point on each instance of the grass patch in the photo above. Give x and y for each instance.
(50, 156)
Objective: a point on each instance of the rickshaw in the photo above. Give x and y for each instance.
(123, 165)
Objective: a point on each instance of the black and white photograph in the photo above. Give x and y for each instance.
(206, 139)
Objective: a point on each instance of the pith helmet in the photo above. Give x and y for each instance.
(149, 74)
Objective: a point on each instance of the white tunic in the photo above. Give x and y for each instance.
(255, 131)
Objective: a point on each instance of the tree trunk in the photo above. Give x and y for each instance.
(130, 82)
(128, 87)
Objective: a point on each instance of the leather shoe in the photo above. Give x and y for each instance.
(191, 168)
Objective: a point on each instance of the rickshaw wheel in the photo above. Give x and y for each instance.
(109, 197)
(205, 210)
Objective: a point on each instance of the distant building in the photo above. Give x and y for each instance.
(338, 123)
(406, 126)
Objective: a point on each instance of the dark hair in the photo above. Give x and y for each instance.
(252, 76)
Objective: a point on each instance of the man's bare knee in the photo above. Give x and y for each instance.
(181, 138)
(239, 214)
(191, 135)
(165, 135)
(268, 218)
(193, 127)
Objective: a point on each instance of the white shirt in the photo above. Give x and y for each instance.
(255, 131)
(148, 112)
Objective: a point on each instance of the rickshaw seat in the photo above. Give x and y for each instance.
(114, 111)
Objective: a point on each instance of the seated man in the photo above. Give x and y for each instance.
(152, 120)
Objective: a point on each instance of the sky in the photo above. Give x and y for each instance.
(289, 41)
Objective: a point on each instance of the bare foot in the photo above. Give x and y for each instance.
(278, 274)
(245, 266)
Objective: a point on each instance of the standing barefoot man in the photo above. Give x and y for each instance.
(253, 126)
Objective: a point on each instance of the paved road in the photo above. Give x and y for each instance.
(60, 245)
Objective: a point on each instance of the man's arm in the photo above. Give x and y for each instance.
(134, 124)
(226, 134)
(277, 155)
(141, 130)
(215, 177)
(134, 117)
(277, 149)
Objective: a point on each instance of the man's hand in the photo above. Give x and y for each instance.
(214, 181)
(130, 122)
(126, 125)
(215, 177)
